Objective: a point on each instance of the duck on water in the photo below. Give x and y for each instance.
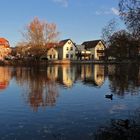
(109, 96)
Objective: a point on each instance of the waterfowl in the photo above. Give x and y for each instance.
(109, 96)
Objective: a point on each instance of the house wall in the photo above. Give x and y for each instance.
(94, 51)
(99, 46)
(69, 51)
(52, 54)
(60, 53)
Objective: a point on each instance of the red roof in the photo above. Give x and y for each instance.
(5, 42)
(51, 45)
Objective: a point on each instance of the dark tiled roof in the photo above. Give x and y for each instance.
(64, 41)
(91, 44)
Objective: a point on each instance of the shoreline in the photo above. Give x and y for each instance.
(61, 62)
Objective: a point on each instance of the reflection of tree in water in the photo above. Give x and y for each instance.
(121, 129)
(124, 78)
(40, 91)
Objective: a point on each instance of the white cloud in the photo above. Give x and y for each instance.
(64, 3)
(104, 11)
(115, 11)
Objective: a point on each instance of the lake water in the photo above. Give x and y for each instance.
(68, 102)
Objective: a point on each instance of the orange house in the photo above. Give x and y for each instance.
(5, 49)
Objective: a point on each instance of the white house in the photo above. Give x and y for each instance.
(52, 54)
(97, 49)
(66, 50)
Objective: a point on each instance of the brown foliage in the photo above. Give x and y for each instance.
(38, 34)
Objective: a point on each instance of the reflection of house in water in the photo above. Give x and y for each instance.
(41, 85)
(93, 74)
(5, 77)
(66, 75)
(52, 72)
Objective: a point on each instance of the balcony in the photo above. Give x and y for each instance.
(100, 51)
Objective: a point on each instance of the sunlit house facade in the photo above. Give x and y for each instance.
(91, 50)
(52, 54)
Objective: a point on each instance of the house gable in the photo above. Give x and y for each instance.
(69, 50)
(66, 49)
(100, 45)
(96, 47)
(52, 54)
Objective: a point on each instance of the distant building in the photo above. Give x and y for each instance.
(5, 49)
(91, 50)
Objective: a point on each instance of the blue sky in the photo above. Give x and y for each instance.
(79, 20)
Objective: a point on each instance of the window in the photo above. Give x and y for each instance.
(71, 48)
(54, 56)
(50, 56)
(71, 56)
(67, 48)
(67, 55)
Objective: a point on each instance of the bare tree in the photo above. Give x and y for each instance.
(130, 13)
(108, 30)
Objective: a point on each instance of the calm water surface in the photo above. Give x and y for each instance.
(68, 102)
